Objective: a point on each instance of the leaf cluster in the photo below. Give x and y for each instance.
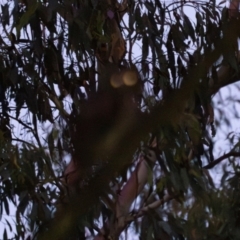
(70, 66)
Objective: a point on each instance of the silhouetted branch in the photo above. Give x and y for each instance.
(220, 159)
(151, 206)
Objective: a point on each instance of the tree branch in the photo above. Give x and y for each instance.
(58, 105)
(151, 206)
(220, 159)
(168, 113)
(225, 75)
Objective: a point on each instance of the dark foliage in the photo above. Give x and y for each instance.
(74, 82)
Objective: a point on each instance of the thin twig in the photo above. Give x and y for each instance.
(25, 142)
(36, 130)
(22, 123)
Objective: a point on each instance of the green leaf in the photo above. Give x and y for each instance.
(193, 127)
(6, 205)
(189, 28)
(51, 144)
(23, 202)
(199, 21)
(5, 237)
(150, 7)
(13, 75)
(178, 38)
(184, 176)
(9, 225)
(26, 16)
(5, 14)
(138, 19)
(165, 226)
(30, 97)
(208, 12)
(34, 212)
(230, 57)
(144, 47)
